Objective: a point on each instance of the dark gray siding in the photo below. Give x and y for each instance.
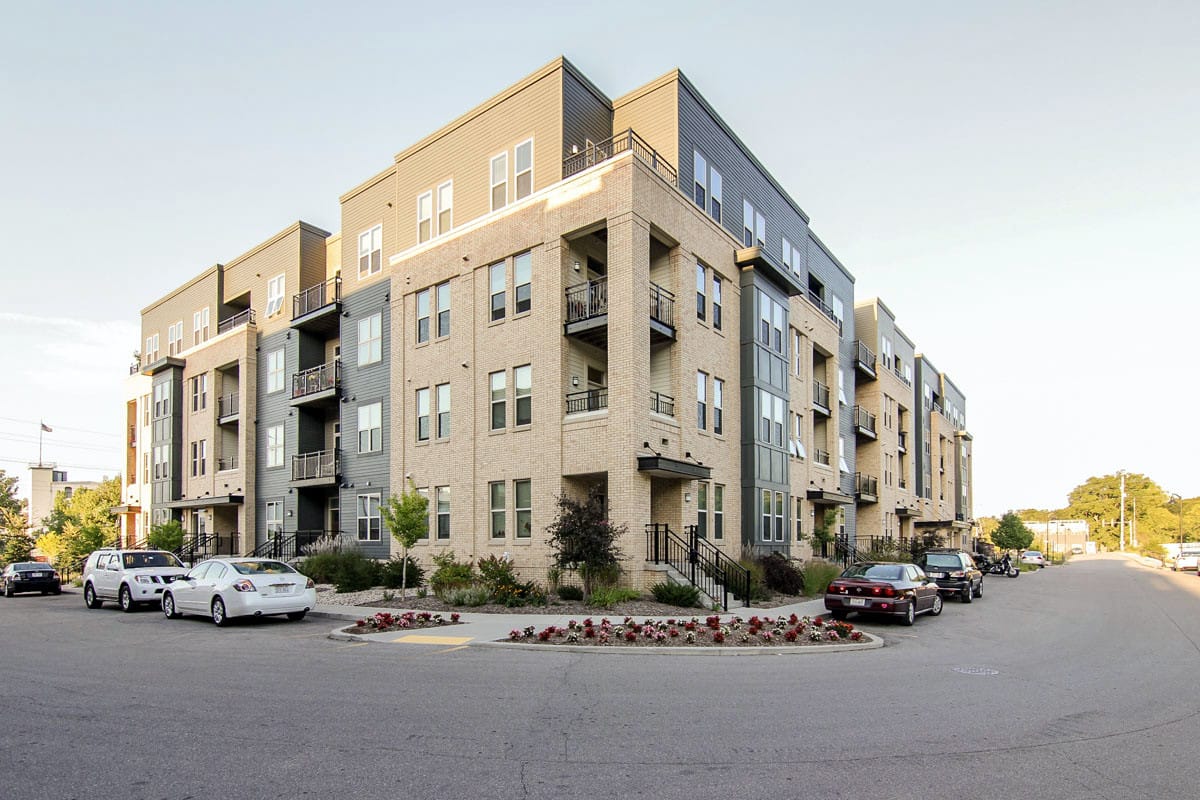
(925, 377)
(366, 473)
(167, 430)
(271, 483)
(586, 115)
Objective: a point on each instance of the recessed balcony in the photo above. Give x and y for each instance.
(902, 442)
(866, 488)
(317, 308)
(864, 423)
(821, 456)
(589, 400)
(321, 385)
(587, 312)
(321, 468)
(239, 319)
(227, 408)
(864, 359)
(821, 398)
(662, 404)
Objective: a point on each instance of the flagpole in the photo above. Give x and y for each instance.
(41, 433)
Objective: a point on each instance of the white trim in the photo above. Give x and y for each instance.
(425, 196)
(274, 298)
(492, 183)
(517, 174)
(450, 208)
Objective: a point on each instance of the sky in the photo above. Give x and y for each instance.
(1019, 182)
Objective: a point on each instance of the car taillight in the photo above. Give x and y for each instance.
(959, 574)
(888, 591)
(835, 589)
(244, 585)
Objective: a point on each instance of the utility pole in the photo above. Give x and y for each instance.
(1122, 474)
(1133, 523)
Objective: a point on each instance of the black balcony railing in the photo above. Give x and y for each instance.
(227, 463)
(587, 300)
(823, 307)
(903, 440)
(821, 456)
(314, 297)
(899, 370)
(318, 379)
(237, 320)
(590, 400)
(662, 305)
(135, 368)
(820, 394)
(609, 148)
(864, 357)
(662, 404)
(227, 405)
(314, 466)
(864, 420)
(866, 485)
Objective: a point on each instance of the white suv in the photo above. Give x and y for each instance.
(128, 576)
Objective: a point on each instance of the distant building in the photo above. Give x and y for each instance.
(46, 483)
(1058, 535)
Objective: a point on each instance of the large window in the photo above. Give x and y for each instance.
(275, 288)
(718, 405)
(496, 495)
(778, 405)
(370, 251)
(423, 316)
(499, 181)
(200, 392)
(443, 309)
(445, 198)
(793, 259)
(369, 528)
(699, 179)
(422, 415)
(151, 354)
(370, 339)
(523, 384)
(370, 428)
(716, 302)
(274, 517)
(524, 508)
(424, 217)
(175, 338)
(772, 322)
(523, 162)
(842, 465)
(443, 512)
(774, 516)
(199, 457)
(754, 226)
(275, 446)
(523, 280)
(443, 410)
(496, 284)
(499, 388)
(714, 200)
(200, 327)
(275, 368)
(701, 286)
(701, 401)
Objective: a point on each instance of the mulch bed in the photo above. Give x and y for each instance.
(756, 631)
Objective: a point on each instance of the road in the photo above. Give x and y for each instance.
(1075, 682)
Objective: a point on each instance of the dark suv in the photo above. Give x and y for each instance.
(954, 572)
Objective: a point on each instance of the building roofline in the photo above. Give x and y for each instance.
(891, 315)
(957, 388)
(383, 174)
(837, 262)
(203, 276)
(298, 226)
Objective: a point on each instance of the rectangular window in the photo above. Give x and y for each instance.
(422, 415)
(786, 249)
(370, 428)
(523, 163)
(443, 511)
(718, 511)
(195, 459)
(523, 384)
(369, 527)
(701, 401)
(145, 467)
(839, 310)
(885, 345)
(275, 446)
(275, 288)
(443, 410)
(701, 285)
(780, 516)
(523, 280)
(765, 406)
(764, 318)
(716, 302)
(499, 390)
(423, 316)
(151, 354)
(370, 251)
(199, 392)
(445, 198)
(443, 309)
(424, 217)
(496, 280)
(275, 368)
(203, 456)
(714, 200)
(699, 179)
(702, 510)
(777, 419)
(146, 406)
(370, 339)
(842, 387)
(524, 508)
(799, 517)
(796, 352)
(778, 326)
(274, 517)
(499, 174)
(767, 532)
(842, 465)
(200, 327)
(496, 494)
(175, 338)
(754, 226)
(718, 405)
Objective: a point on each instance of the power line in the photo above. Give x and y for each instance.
(62, 427)
(58, 443)
(92, 467)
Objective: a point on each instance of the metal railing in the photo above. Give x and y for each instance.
(135, 367)
(821, 456)
(227, 463)
(196, 548)
(822, 306)
(820, 394)
(898, 369)
(587, 300)
(311, 466)
(589, 400)
(662, 305)
(864, 356)
(847, 553)
(625, 141)
(662, 404)
(903, 440)
(285, 547)
(699, 561)
(237, 320)
(864, 420)
(227, 405)
(319, 296)
(317, 379)
(866, 484)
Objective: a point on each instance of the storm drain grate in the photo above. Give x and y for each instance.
(976, 670)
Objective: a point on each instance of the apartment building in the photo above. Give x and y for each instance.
(554, 292)
(46, 483)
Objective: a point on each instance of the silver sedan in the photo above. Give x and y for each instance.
(223, 588)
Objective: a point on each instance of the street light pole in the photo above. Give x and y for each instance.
(1179, 500)
(1122, 474)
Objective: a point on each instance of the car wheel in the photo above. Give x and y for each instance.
(219, 618)
(936, 608)
(8, 590)
(979, 588)
(966, 593)
(89, 597)
(58, 590)
(296, 616)
(125, 599)
(168, 607)
(910, 614)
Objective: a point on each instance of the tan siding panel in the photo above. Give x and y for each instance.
(653, 115)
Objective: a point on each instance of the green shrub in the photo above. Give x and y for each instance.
(475, 594)
(758, 578)
(450, 573)
(780, 575)
(321, 567)
(817, 575)
(391, 573)
(568, 592)
(167, 536)
(675, 594)
(519, 594)
(495, 571)
(357, 572)
(608, 596)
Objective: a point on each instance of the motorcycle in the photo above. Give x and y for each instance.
(1003, 566)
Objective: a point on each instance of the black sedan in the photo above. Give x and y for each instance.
(30, 576)
(899, 590)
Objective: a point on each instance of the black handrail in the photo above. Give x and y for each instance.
(317, 379)
(589, 400)
(698, 560)
(587, 300)
(626, 140)
(287, 547)
(662, 305)
(241, 318)
(315, 297)
(227, 405)
(662, 404)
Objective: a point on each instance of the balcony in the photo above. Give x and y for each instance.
(821, 456)
(824, 308)
(864, 422)
(821, 398)
(662, 404)
(662, 314)
(227, 408)
(907, 381)
(864, 359)
(587, 312)
(590, 400)
(866, 488)
(236, 321)
(317, 308)
(319, 386)
(623, 142)
(227, 464)
(316, 469)
(135, 368)
(902, 442)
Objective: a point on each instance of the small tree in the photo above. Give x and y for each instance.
(407, 519)
(167, 536)
(583, 538)
(15, 543)
(1011, 533)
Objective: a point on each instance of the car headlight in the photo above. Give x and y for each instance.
(143, 578)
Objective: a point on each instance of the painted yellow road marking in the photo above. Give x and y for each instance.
(417, 638)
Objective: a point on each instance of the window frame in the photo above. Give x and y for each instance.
(502, 511)
(518, 172)
(443, 409)
(716, 301)
(499, 405)
(368, 502)
(718, 406)
(276, 370)
(374, 420)
(701, 292)
(442, 292)
(423, 333)
(501, 160)
(370, 348)
(276, 292)
(498, 312)
(525, 511)
(718, 511)
(447, 188)
(200, 319)
(701, 400)
(370, 248)
(716, 185)
(443, 515)
(522, 262)
(523, 396)
(276, 438)
(421, 405)
(424, 217)
(273, 517)
(699, 180)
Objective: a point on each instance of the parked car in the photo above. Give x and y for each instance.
(1188, 558)
(1033, 557)
(1076, 549)
(223, 588)
(892, 589)
(29, 576)
(954, 571)
(128, 576)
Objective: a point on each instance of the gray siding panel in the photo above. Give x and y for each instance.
(585, 116)
(271, 483)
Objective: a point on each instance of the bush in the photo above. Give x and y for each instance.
(780, 575)
(321, 567)
(495, 571)
(607, 596)
(391, 573)
(330, 543)
(349, 570)
(168, 536)
(758, 577)
(675, 594)
(817, 575)
(450, 574)
(568, 592)
(475, 594)
(519, 594)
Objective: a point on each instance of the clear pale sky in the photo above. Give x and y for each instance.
(1018, 181)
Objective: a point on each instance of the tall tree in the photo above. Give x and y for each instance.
(407, 519)
(8, 493)
(15, 544)
(1011, 533)
(1098, 500)
(85, 520)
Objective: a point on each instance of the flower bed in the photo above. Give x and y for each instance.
(756, 631)
(384, 622)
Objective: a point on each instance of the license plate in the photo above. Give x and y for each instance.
(937, 574)
(285, 588)
(35, 574)
(857, 601)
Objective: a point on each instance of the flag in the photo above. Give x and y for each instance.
(47, 428)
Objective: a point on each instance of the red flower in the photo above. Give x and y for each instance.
(793, 619)
(454, 617)
(630, 636)
(791, 635)
(718, 637)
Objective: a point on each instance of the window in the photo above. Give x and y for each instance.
(275, 371)
(275, 446)
(162, 467)
(716, 302)
(767, 529)
(443, 309)
(714, 201)
(796, 352)
(701, 285)
(799, 516)
(370, 339)
(702, 510)
(798, 436)
(842, 387)
(777, 419)
(499, 181)
(370, 428)
(524, 508)
(445, 197)
(200, 392)
(699, 179)
(792, 258)
(151, 354)
(523, 383)
(422, 415)
(523, 278)
(496, 493)
(443, 410)
(274, 517)
(718, 405)
(200, 327)
(424, 217)
(145, 467)
(175, 338)
(423, 316)
(368, 518)
(370, 251)
(701, 401)
(496, 277)
(196, 459)
(443, 511)
(499, 389)
(162, 400)
(885, 345)
(839, 310)
(275, 288)
(778, 326)
(842, 465)
(718, 511)
(780, 516)
(754, 226)
(887, 468)
(523, 163)
(764, 415)
(146, 406)
(772, 322)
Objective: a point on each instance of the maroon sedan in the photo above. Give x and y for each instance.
(899, 590)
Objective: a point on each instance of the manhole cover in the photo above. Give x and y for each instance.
(977, 670)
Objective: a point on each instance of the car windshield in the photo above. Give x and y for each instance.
(262, 568)
(149, 559)
(942, 560)
(884, 572)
